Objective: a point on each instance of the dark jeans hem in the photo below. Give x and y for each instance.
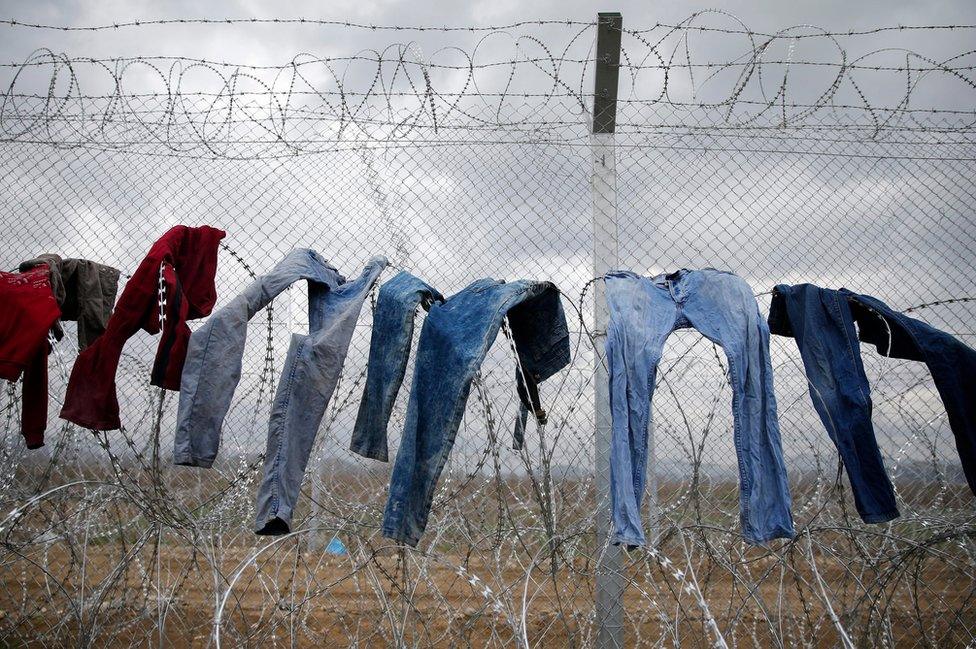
(274, 526)
(777, 533)
(630, 542)
(369, 452)
(882, 517)
(396, 535)
(185, 459)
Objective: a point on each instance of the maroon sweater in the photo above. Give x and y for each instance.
(29, 310)
(188, 257)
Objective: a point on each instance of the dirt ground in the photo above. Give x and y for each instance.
(114, 595)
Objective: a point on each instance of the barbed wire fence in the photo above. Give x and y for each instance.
(839, 158)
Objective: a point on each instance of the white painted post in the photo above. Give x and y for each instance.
(609, 580)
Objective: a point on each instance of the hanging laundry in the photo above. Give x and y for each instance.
(454, 341)
(29, 312)
(389, 351)
(822, 322)
(85, 291)
(308, 379)
(185, 259)
(720, 305)
(216, 351)
(541, 350)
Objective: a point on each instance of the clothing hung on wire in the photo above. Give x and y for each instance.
(215, 352)
(389, 352)
(184, 259)
(643, 313)
(84, 290)
(308, 379)
(29, 312)
(822, 322)
(454, 341)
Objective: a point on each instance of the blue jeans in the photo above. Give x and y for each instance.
(951, 363)
(823, 325)
(389, 351)
(453, 343)
(308, 379)
(215, 351)
(720, 305)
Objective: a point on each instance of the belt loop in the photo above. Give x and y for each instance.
(671, 290)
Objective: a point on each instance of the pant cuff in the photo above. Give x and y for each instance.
(274, 526)
(402, 537)
(631, 542)
(777, 533)
(185, 459)
(882, 517)
(371, 453)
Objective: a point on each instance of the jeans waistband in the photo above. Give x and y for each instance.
(664, 279)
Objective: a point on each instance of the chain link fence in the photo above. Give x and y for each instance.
(802, 156)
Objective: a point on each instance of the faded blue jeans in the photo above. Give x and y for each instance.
(389, 352)
(215, 351)
(823, 325)
(308, 379)
(720, 305)
(453, 343)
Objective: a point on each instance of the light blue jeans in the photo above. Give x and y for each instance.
(720, 305)
(215, 352)
(308, 379)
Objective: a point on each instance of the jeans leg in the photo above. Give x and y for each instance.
(389, 353)
(424, 450)
(442, 380)
(274, 499)
(210, 376)
(951, 362)
(640, 320)
(824, 330)
(953, 368)
(721, 306)
(312, 376)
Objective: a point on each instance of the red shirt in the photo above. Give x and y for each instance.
(29, 310)
(188, 258)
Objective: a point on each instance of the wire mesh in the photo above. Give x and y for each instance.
(843, 159)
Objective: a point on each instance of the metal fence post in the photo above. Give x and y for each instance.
(609, 581)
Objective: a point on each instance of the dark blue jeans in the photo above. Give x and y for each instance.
(822, 323)
(453, 343)
(389, 351)
(952, 363)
